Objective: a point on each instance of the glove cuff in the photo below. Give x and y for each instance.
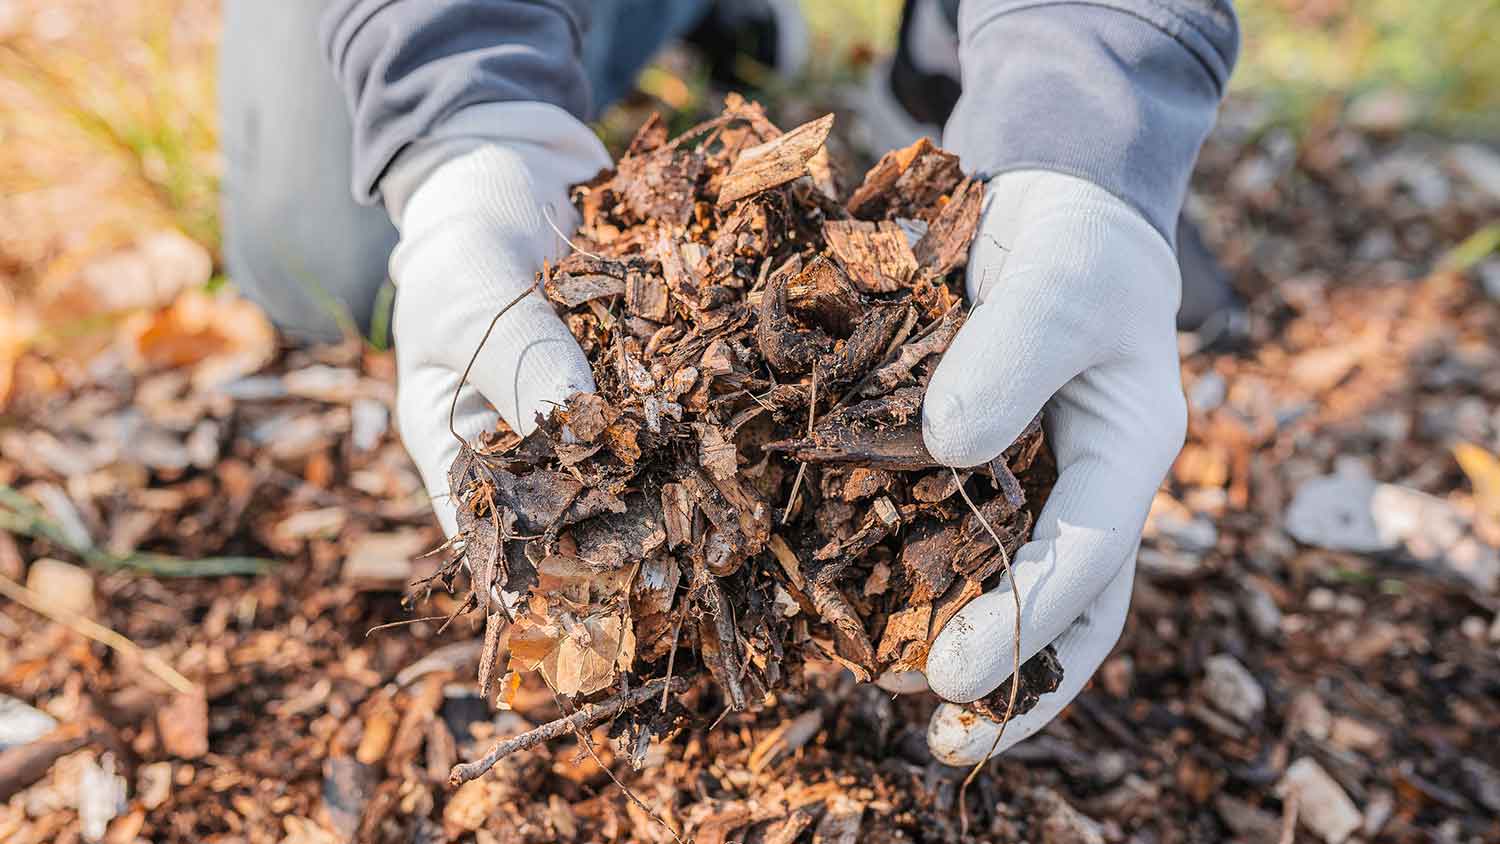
(544, 150)
(1118, 92)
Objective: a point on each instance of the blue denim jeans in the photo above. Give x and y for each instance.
(295, 241)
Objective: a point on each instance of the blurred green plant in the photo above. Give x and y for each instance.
(143, 94)
(1472, 249)
(137, 81)
(20, 515)
(1442, 57)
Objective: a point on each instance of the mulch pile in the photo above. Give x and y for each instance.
(748, 487)
(1253, 666)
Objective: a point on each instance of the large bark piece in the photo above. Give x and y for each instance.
(775, 162)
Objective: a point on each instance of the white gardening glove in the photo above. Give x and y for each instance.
(1074, 297)
(472, 202)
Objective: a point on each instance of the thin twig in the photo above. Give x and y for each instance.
(672, 659)
(1015, 674)
(464, 378)
(587, 716)
(547, 213)
(812, 415)
(588, 745)
(890, 357)
(1289, 813)
(99, 633)
(388, 625)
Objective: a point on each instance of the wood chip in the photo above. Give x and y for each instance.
(775, 162)
(876, 255)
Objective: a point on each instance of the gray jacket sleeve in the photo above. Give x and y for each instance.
(407, 65)
(1119, 92)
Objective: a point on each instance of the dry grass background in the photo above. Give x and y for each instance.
(108, 125)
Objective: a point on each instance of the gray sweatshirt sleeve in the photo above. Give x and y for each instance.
(407, 65)
(1119, 92)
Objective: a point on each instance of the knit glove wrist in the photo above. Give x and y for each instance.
(1075, 295)
(479, 206)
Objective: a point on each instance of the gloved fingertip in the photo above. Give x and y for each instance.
(958, 736)
(948, 429)
(902, 682)
(974, 652)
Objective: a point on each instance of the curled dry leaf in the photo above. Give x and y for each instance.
(218, 337)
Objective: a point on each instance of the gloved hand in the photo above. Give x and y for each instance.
(473, 203)
(1074, 297)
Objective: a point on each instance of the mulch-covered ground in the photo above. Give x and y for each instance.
(1313, 652)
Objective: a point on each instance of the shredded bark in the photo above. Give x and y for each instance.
(761, 352)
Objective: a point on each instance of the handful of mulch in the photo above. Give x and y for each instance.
(749, 487)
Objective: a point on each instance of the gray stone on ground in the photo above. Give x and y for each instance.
(1248, 822)
(22, 724)
(1323, 807)
(62, 586)
(1261, 610)
(1063, 824)
(1350, 511)
(1480, 165)
(1232, 689)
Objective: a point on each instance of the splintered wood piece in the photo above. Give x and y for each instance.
(875, 255)
(571, 290)
(863, 482)
(899, 449)
(946, 607)
(926, 560)
(646, 297)
(906, 183)
(908, 624)
(880, 522)
(720, 643)
(716, 451)
(661, 185)
(883, 433)
(822, 292)
(945, 246)
(936, 486)
(849, 637)
(775, 162)
(489, 657)
(677, 509)
(675, 272)
(890, 376)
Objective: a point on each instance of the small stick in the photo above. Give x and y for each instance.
(588, 745)
(388, 625)
(812, 415)
(99, 633)
(1289, 816)
(672, 659)
(1015, 674)
(588, 715)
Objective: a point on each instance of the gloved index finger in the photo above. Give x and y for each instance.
(1112, 452)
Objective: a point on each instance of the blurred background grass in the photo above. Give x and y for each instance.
(107, 115)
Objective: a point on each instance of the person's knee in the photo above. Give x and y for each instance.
(317, 274)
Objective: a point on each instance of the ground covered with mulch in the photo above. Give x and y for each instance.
(1311, 654)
